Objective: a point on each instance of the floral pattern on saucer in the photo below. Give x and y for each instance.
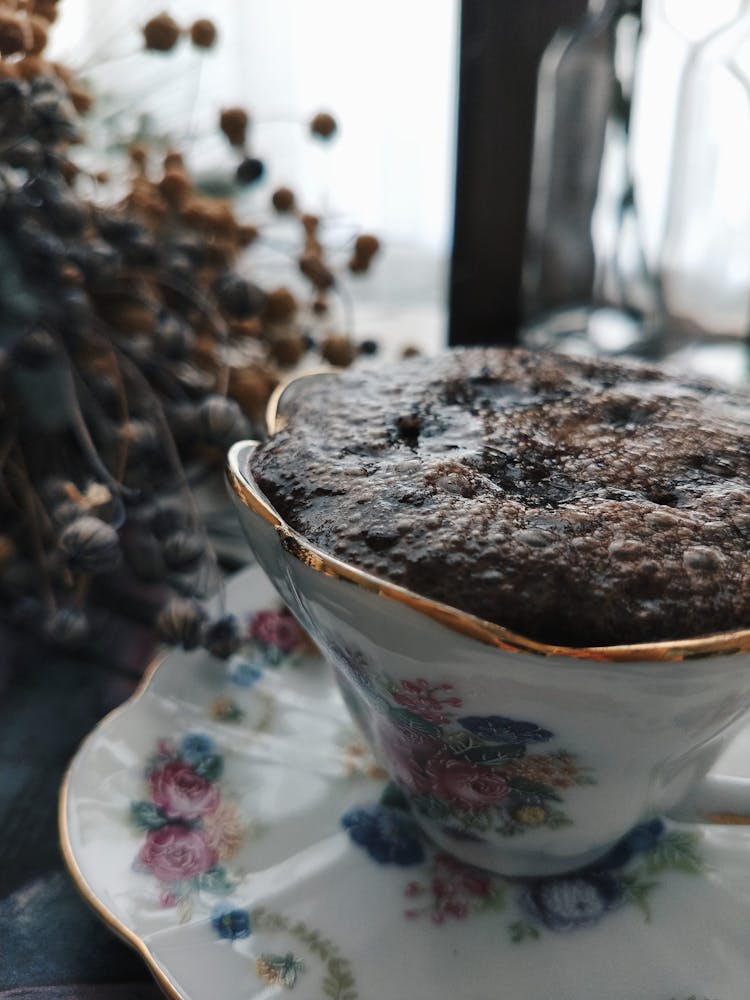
(191, 829)
(473, 774)
(285, 969)
(449, 889)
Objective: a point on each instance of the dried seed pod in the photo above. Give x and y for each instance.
(46, 9)
(67, 627)
(161, 33)
(184, 551)
(283, 200)
(323, 125)
(65, 512)
(338, 349)
(90, 545)
(222, 637)
(39, 27)
(203, 33)
(316, 272)
(175, 187)
(82, 100)
(369, 347)
(144, 556)
(172, 336)
(247, 235)
(252, 388)
(173, 160)
(15, 34)
(237, 296)
(141, 438)
(249, 170)
(221, 421)
(181, 622)
(366, 245)
(287, 348)
(280, 306)
(168, 517)
(234, 122)
(410, 351)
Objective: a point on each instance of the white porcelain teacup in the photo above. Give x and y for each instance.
(518, 757)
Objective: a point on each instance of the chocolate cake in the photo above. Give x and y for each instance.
(576, 501)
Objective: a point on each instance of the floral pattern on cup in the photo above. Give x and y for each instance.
(474, 775)
(191, 829)
(448, 889)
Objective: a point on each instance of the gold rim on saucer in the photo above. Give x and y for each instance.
(68, 853)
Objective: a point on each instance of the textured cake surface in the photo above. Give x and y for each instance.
(577, 502)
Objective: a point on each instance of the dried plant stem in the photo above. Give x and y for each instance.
(34, 510)
(83, 583)
(176, 465)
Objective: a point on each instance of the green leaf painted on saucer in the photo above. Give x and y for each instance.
(677, 851)
(147, 816)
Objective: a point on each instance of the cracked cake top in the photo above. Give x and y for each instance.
(579, 502)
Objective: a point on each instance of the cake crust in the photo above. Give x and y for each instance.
(578, 502)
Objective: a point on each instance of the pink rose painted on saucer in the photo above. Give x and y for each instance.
(190, 828)
(176, 852)
(180, 793)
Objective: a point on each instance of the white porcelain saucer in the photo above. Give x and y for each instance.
(203, 822)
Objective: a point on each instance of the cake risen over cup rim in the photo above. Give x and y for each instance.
(579, 503)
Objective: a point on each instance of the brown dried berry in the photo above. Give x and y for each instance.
(46, 9)
(283, 200)
(410, 351)
(233, 122)
(173, 160)
(161, 33)
(15, 34)
(247, 235)
(252, 387)
(316, 271)
(320, 306)
(175, 187)
(138, 156)
(366, 245)
(39, 27)
(338, 349)
(203, 33)
(82, 100)
(323, 125)
(280, 306)
(287, 348)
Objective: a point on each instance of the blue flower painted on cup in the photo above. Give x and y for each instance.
(390, 836)
(499, 729)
